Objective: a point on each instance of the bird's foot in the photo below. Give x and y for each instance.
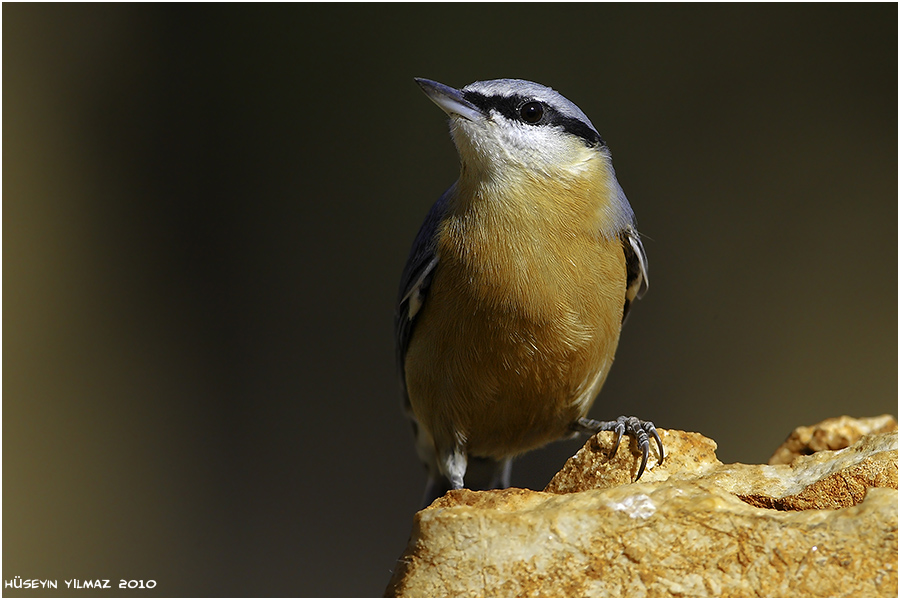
(640, 430)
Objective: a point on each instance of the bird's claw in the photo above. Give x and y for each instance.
(640, 430)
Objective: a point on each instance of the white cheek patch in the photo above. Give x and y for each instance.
(540, 148)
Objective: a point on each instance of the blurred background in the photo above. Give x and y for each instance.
(206, 210)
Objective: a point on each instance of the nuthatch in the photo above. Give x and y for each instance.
(516, 287)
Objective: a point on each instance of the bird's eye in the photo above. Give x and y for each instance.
(531, 112)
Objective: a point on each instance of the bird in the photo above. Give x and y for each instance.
(516, 287)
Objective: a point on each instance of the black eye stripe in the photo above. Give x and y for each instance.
(509, 107)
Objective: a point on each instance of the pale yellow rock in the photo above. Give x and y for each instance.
(683, 530)
(648, 540)
(826, 479)
(830, 434)
(822, 480)
(592, 467)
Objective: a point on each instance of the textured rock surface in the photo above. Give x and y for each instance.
(826, 479)
(692, 526)
(593, 468)
(830, 434)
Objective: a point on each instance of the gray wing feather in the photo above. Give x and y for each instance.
(414, 284)
(636, 281)
(416, 278)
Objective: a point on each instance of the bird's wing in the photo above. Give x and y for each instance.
(415, 280)
(636, 267)
(414, 284)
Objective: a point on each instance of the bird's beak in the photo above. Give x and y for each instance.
(450, 100)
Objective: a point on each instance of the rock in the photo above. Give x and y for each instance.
(829, 479)
(691, 527)
(830, 434)
(826, 479)
(593, 468)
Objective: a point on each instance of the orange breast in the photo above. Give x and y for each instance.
(518, 331)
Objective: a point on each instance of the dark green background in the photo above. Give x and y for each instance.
(206, 211)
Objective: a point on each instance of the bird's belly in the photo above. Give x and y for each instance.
(529, 351)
